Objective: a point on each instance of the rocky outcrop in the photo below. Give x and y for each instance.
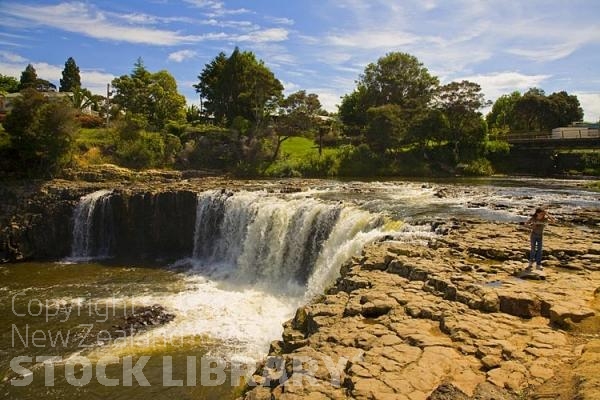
(450, 320)
(144, 223)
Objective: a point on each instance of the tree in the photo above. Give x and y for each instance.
(565, 109)
(535, 110)
(460, 102)
(238, 86)
(152, 96)
(398, 79)
(385, 127)
(41, 133)
(70, 76)
(82, 98)
(298, 115)
(502, 118)
(28, 78)
(8, 84)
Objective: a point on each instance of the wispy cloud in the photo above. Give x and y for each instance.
(280, 20)
(11, 57)
(182, 55)
(265, 35)
(215, 8)
(496, 84)
(86, 20)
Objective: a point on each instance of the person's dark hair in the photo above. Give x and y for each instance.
(538, 210)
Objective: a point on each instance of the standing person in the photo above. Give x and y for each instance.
(538, 222)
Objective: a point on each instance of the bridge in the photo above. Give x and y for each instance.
(546, 140)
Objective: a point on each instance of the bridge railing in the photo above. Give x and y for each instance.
(563, 135)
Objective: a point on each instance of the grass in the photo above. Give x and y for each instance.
(300, 148)
(296, 148)
(96, 137)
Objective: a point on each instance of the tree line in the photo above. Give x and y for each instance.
(399, 119)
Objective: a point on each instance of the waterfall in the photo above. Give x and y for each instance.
(92, 226)
(295, 244)
(261, 238)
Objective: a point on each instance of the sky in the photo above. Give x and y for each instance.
(321, 46)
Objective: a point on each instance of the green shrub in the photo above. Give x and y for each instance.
(478, 167)
(146, 151)
(41, 134)
(358, 161)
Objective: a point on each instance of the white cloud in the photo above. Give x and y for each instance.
(182, 55)
(86, 20)
(329, 98)
(372, 39)
(94, 80)
(266, 35)
(290, 87)
(216, 8)
(545, 53)
(281, 20)
(11, 57)
(590, 102)
(496, 84)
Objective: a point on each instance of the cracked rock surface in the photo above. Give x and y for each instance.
(459, 318)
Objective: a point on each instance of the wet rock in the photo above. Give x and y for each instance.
(144, 319)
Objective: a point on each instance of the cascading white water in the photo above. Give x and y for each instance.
(257, 238)
(89, 242)
(257, 257)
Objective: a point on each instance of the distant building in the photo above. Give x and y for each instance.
(7, 101)
(576, 130)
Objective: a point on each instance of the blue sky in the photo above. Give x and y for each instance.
(319, 46)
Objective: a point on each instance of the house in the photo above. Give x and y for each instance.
(7, 101)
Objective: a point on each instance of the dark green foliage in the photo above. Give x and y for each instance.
(385, 128)
(28, 78)
(41, 134)
(238, 85)
(70, 76)
(534, 111)
(213, 149)
(8, 84)
(358, 161)
(145, 151)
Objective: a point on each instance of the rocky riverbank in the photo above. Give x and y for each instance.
(456, 318)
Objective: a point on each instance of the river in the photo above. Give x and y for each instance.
(257, 256)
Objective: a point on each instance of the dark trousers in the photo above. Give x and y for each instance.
(536, 249)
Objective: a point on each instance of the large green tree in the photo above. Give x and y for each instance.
(41, 133)
(238, 86)
(397, 79)
(461, 103)
(151, 96)
(565, 109)
(70, 76)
